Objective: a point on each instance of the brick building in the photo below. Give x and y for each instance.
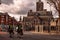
(6, 20)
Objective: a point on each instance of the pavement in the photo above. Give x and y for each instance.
(1, 33)
(5, 36)
(41, 33)
(41, 36)
(30, 35)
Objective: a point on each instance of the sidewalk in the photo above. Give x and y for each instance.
(3, 33)
(42, 33)
(33, 32)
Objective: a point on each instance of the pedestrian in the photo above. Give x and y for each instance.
(11, 31)
(0, 29)
(20, 31)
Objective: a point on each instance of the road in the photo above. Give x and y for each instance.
(5, 36)
(41, 37)
(33, 36)
(30, 36)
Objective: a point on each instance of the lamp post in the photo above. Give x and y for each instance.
(49, 28)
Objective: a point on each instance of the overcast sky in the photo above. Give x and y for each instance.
(19, 7)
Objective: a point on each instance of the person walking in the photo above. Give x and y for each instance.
(0, 29)
(11, 31)
(20, 31)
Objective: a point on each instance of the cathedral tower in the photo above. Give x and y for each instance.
(20, 19)
(39, 6)
(0, 1)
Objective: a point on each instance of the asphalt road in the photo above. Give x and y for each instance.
(34, 36)
(5, 36)
(30, 36)
(41, 37)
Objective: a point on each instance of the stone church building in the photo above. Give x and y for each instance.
(39, 21)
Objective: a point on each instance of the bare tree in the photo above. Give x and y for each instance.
(56, 4)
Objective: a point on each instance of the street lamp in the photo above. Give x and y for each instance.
(49, 28)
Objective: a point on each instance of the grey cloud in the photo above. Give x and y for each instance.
(29, 6)
(7, 1)
(23, 11)
(14, 6)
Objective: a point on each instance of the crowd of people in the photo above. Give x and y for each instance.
(19, 31)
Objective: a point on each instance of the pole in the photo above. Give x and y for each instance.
(49, 18)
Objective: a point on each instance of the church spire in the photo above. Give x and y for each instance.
(39, 6)
(39, 0)
(20, 18)
(0, 1)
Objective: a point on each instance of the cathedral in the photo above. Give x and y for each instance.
(40, 20)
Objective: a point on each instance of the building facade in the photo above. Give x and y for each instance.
(39, 20)
(6, 20)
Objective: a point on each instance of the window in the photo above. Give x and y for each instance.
(2, 16)
(2, 21)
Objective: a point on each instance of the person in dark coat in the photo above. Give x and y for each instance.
(20, 31)
(11, 30)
